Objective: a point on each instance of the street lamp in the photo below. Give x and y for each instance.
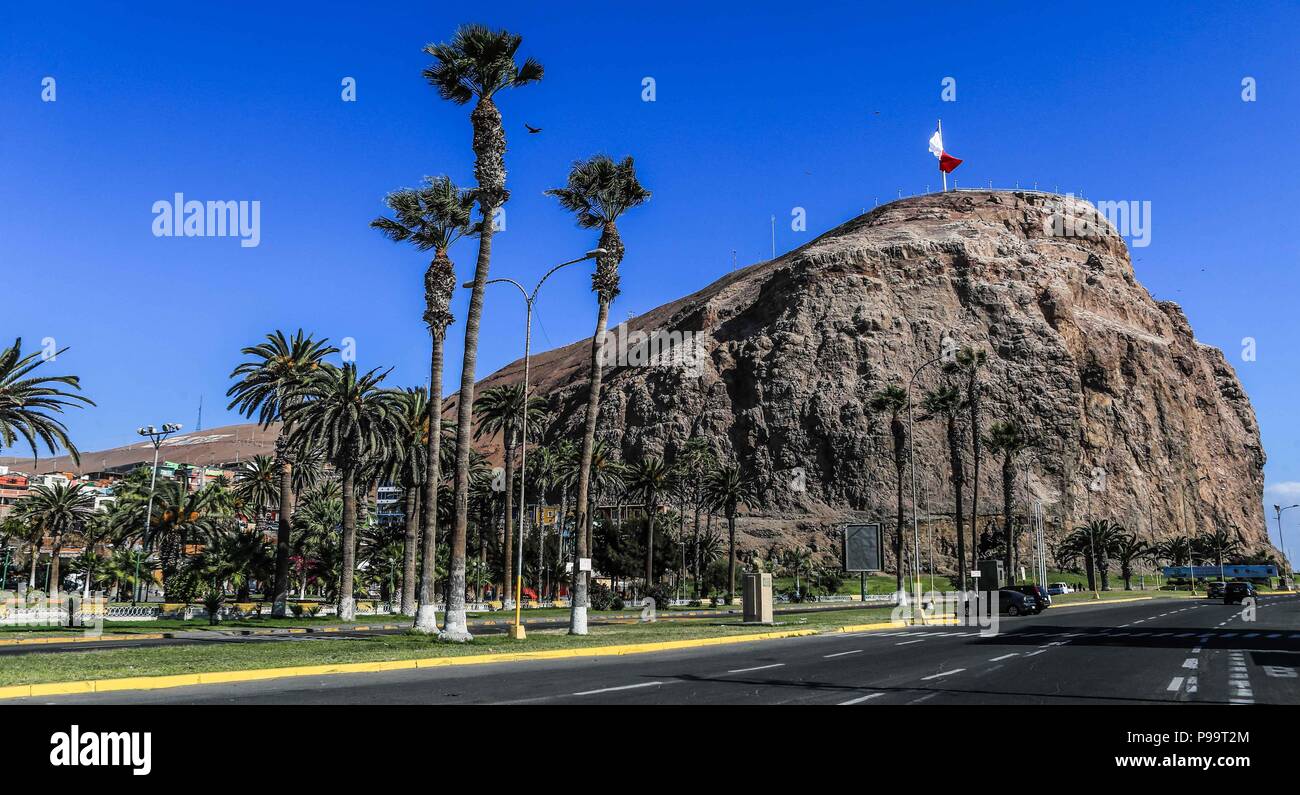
(1280, 539)
(155, 437)
(1182, 498)
(916, 529)
(529, 298)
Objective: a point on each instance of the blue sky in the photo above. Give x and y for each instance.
(760, 108)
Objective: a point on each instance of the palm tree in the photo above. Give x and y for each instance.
(892, 400)
(648, 480)
(500, 411)
(257, 484)
(179, 517)
(798, 559)
(1095, 541)
(727, 488)
(353, 420)
(475, 65)
(432, 217)
(278, 370)
(408, 467)
(1218, 545)
(946, 401)
(598, 192)
(57, 510)
(1178, 551)
(26, 402)
(970, 361)
(696, 460)
(1128, 550)
(1008, 439)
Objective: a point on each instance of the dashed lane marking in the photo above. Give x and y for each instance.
(841, 654)
(942, 673)
(860, 699)
(755, 668)
(612, 689)
(1005, 656)
(1175, 684)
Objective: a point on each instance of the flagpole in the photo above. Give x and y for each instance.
(941, 171)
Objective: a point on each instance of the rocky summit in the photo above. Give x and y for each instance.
(1131, 417)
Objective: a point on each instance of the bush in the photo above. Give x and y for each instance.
(213, 599)
(662, 594)
(600, 597)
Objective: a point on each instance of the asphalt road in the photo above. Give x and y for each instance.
(1157, 652)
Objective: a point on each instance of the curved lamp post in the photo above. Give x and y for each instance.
(529, 299)
(155, 437)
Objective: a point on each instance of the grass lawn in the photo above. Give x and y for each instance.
(162, 660)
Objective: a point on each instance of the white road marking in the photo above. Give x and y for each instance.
(1191, 662)
(756, 668)
(943, 673)
(1175, 684)
(906, 642)
(860, 699)
(612, 689)
(1196, 650)
(841, 654)
(1005, 656)
(1191, 684)
(1035, 653)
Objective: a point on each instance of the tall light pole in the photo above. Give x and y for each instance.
(155, 436)
(1280, 539)
(916, 528)
(1182, 498)
(529, 298)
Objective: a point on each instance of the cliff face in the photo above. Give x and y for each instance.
(1129, 412)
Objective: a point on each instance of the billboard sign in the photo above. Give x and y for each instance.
(863, 549)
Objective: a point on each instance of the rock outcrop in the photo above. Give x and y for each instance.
(1132, 417)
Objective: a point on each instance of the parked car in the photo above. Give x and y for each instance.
(1040, 594)
(1016, 603)
(1235, 592)
(1059, 588)
(1215, 589)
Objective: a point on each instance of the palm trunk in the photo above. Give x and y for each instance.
(958, 481)
(508, 569)
(900, 465)
(54, 563)
(409, 546)
(977, 449)
(731, 556)
(1008, 487)
(280, 590)
(578, 609)
(36, 556)
(347, 605)
(650, 544)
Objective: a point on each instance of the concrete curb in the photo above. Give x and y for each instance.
(218, 677)
(81, 639)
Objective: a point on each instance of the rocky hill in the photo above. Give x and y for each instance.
(1133, 418)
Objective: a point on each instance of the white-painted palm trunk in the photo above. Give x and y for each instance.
(426, 619)
(347, 608)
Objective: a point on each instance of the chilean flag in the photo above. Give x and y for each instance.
(946, 161)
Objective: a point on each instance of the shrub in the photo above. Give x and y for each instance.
(662, 594)
(600, 597)
(213, 599)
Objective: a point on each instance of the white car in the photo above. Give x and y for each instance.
(1058, 588)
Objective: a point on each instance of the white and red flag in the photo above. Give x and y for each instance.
(946, 161)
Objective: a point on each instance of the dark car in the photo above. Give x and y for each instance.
(1041, 598)
(1235, 592)
(1016, 603)
(1215, 589)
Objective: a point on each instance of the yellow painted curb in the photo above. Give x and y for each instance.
(218, 677)
(79, 639)
(872, 627)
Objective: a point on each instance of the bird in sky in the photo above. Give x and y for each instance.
(531, 129)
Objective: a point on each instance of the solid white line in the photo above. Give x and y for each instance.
(945, 673)
(1175, 684)
(1005, 656)
(841, 654)
(756, 668)
(611, 689)
(860, 699)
